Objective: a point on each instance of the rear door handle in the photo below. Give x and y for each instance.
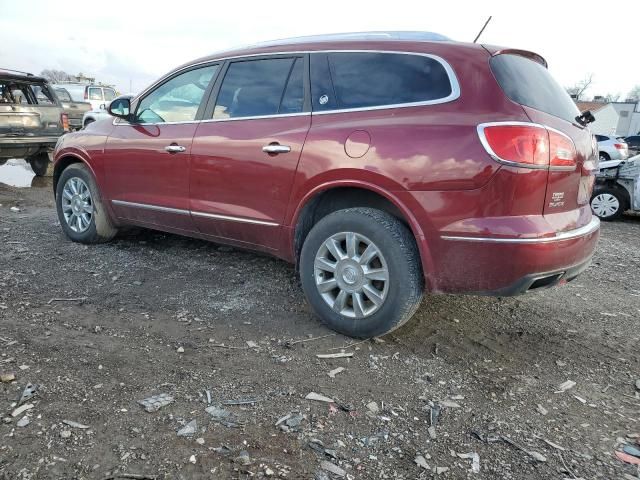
(175, 148)
(276, 148)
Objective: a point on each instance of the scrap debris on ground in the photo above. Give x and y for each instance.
(160, 357)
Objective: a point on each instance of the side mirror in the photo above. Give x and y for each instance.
(120, 108)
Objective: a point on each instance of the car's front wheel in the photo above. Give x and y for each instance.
(360, 270)
(80, 209)
(608, 203)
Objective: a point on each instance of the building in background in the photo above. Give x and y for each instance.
(629, 122)
(606, 116)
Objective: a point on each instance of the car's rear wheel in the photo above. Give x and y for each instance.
(608, 203)
(360, 270)
(39, 164)
(80, 209)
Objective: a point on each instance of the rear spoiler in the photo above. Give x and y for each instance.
(493, 50)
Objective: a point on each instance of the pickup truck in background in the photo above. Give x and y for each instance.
(31, 119)
(74, 110)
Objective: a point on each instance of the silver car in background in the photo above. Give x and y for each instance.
(612, 148)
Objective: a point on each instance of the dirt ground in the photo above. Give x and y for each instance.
(157, 313)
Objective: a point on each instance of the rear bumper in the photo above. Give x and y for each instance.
(511, 266)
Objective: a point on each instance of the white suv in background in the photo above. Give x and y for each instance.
(612, 148)
(97, 95)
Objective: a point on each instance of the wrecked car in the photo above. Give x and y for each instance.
(617, 188)
(31, 119)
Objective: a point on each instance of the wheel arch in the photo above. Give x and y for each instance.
(327, 198)
(62, 162)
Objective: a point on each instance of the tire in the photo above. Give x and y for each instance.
(398, 296)
(608, 203)
(39, 164)
(94, 228)
(604, 156)
(3, 161)
(87, 122)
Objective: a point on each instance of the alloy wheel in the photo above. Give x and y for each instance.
(77, 205)
(351, 275)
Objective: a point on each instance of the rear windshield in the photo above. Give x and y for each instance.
(529, 83)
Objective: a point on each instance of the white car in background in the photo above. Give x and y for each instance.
(96, 95)
(612, 148)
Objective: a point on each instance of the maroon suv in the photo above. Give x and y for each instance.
(382, 164)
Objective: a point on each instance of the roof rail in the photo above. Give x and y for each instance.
(16, 71)
(415, 36)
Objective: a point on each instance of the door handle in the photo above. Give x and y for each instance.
(276, 148)
(175, 148)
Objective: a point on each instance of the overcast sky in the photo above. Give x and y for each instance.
(133, 41)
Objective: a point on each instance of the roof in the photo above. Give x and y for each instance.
(18, 75)
(592, 106)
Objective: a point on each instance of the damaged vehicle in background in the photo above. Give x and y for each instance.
(617, 188)
(31, 119)
(75, 110)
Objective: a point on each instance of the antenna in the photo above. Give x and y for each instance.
(482, 30)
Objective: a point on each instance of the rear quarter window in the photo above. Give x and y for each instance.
(529, 83)
(378, 79)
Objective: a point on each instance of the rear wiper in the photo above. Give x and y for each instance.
(585, 118)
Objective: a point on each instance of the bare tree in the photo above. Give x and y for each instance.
(580, 87)
(612, 97)
(56, 76)
(634, 94)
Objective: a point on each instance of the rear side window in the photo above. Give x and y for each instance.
(95, 93)
(374, 79)
(601, 138)
(529, 83)
(43, 95)
(63, 95)
(253, 88)
(109, 94)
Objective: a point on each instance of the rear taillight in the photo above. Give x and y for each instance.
(64, 120)
(528, 145)
(562, 151)
(620, 146)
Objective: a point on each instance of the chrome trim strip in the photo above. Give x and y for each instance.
(453, 79)
(211, 120)
(234, 219)
(179, 211)
(589, 228)
(146, 206)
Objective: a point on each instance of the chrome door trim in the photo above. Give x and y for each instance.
(234, 219)
(179, 211)
(146, 206)
(587, 229)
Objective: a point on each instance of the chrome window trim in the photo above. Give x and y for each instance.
(483, 139)
(587, 229)
(453, 80)
(180, 211)
(211, 120)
